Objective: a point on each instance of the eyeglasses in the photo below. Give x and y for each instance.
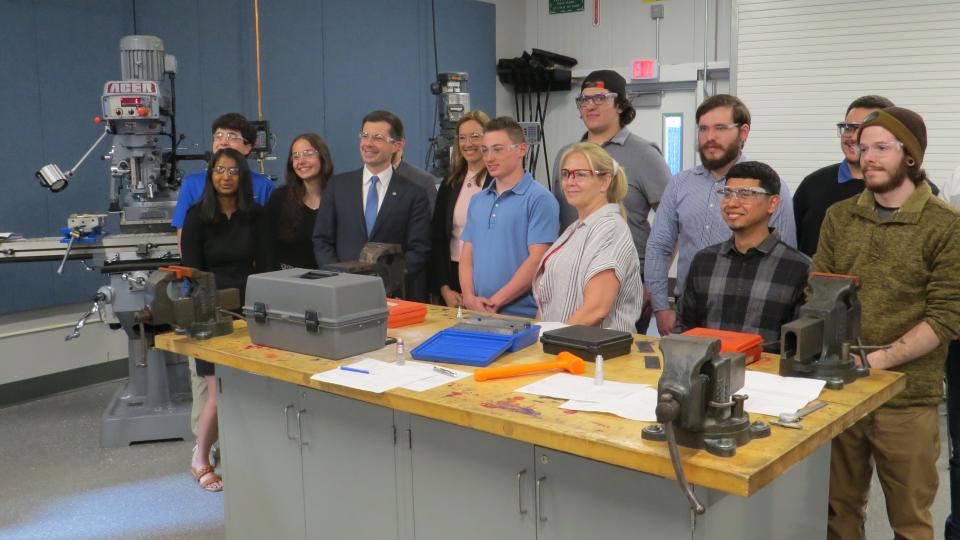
(847, 128)
(227, 136)
(578, 175)
(881, 149)
(742, 194)
(231, 171)
(303, 154)
(497, 149)
(474, 137)
(375, 137)
(719, 129)
(595, 99)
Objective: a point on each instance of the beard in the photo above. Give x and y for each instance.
(897, 178)
(730, 153)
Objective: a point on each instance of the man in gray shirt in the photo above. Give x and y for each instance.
(606, 112)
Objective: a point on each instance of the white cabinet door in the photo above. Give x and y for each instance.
(349, 468)
(470, 485)
(585, 499)
(263, 488)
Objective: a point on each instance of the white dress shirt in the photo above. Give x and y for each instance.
(382, 186)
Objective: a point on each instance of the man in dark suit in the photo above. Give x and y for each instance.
(376, 204)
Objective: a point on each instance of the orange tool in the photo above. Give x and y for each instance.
(565, 361)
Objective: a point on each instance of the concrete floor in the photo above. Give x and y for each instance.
(56, 482)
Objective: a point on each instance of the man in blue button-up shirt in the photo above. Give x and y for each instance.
(510, 225)
(688, 217)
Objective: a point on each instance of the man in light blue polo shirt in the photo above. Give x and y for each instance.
(510, 225)
(232, 130)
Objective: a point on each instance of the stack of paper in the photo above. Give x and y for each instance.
(378, 376)
(632, 401)
(772, 394)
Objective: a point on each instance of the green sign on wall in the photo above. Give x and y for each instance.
(565, 6)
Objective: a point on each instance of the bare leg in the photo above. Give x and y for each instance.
(207, 431)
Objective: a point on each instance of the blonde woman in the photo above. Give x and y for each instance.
(591, 274)
(468, 176)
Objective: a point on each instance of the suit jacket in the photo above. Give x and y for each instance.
(422, 178)
(340, 231)
(441, 230)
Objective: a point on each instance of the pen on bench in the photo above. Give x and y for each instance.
(444, 371)
(355, 370)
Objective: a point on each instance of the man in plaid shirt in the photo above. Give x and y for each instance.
(753, 282)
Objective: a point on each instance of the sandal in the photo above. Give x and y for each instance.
(206, 472)
(214, 453)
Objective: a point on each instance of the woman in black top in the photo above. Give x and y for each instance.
(292, 209)
(221, 234)
(467, 176)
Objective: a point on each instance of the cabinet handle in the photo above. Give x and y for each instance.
(523, 511)
(540, 482)
(300, 428)
(286, 421)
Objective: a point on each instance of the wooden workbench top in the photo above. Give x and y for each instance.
(494, 406)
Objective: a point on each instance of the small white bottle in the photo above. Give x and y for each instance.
(400, 360)
(598, 370)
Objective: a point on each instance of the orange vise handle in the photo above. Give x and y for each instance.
(565, 361)
(179, 272)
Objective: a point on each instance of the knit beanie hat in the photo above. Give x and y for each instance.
(906, 125)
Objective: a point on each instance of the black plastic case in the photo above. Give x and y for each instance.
(587, 342)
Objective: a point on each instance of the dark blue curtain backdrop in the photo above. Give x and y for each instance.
(324, 65)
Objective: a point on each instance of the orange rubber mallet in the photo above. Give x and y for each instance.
(565, 361)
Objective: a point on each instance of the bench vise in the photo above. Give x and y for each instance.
(378, 259)
(817, 345)
(196, 306)
(698, 400)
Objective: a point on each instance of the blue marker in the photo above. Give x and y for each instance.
(355, 370)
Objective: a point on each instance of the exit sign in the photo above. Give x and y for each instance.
(646, 69)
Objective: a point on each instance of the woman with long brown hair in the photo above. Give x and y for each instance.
(468, 176)
(292, 209)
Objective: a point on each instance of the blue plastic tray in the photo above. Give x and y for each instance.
(466, 348)
(525, 339)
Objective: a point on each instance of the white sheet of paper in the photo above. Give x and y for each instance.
(383, 376)
(772, 394)
(435, 379)
(546, 326)
(580, 388)
(641, 405)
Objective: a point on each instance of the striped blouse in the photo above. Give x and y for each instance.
(600, 242)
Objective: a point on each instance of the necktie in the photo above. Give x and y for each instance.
(370, 211)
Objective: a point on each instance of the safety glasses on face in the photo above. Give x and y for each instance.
(230, 171)
(303, 154)
(578, 175)
(497, 149)
(227, 136)
(879, 149)
(719, 129)
(474, 137)
(742, 194)
(847, 128)
(595, 99)
(375, 137)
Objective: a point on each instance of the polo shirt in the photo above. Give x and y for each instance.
(191, 191)
(501, 229)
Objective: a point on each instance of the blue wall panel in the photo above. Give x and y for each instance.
(324, 65)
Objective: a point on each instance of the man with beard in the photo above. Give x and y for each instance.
(689, 211)
(752, 282)
(904, 244)
(836, 182)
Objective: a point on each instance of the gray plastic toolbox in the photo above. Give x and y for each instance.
(316, 312)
